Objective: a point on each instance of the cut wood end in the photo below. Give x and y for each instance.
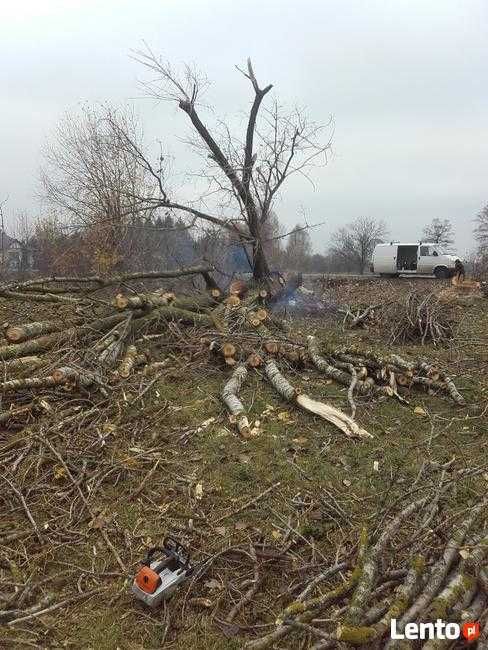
(215, 293)
(255, 322)
(254, 360)
(61, 375)
(271, 347)
(230, 361)
(233, 301)
(238, 288)
(169, 297)
(243, 427)
(14, 334)
(228, 350)
(120, 301)
(261, 314)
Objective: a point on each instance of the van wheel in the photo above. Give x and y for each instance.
(441, 273)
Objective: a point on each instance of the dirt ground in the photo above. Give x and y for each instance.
(297, 493)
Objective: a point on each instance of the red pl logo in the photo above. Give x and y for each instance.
(471, 631)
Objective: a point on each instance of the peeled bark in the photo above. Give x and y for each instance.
(325, 411)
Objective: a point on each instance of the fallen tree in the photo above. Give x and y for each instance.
(237, 329)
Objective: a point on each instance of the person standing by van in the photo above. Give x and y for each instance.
(459, 270)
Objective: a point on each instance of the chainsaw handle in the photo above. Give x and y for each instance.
(170, 546)
(150, 554)
(174, 546)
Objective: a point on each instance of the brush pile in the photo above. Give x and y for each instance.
(353, 602)
(83, 356)
(422, 318)
(419, 318)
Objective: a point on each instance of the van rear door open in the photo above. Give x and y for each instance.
(407, 258)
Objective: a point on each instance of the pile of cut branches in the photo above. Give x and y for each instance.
(419, 318)
(99, 344)
(394, 577)
(423, 317)
(77, 384)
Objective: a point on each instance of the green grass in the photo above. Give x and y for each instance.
(311, 460)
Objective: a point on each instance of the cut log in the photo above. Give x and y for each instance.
(227, 350)
(78, 377)
(28, 382)
(115, 279)
(230, 398)
(444, 380)
(35, 297)
(171, 313)
(142, 301)
(261, 314)
(21, 364)
(128, 362)
(212, 286)
(339, 419)
(19, 333)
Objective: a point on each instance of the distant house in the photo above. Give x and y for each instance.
(15, 256)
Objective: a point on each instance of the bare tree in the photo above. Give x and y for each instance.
(243, 175)
(439, 232)
(481, 236)
(273, 237)
(355, 242)
(93, 178)
(298, 248)
(481, 230)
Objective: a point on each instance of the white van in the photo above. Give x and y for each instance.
(421, 258)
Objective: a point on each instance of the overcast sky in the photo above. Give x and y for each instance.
(405, 80)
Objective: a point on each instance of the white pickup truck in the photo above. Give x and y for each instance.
(422, 258)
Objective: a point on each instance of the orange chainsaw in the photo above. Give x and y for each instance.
(163, 569)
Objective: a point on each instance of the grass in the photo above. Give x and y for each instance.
(182, 421)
